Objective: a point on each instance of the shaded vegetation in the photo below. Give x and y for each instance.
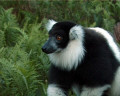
(23, 66)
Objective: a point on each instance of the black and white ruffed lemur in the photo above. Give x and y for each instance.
(86, 60)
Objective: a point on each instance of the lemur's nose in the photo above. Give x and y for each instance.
(44, 49)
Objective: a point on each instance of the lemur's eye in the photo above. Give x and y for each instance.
(58, 37)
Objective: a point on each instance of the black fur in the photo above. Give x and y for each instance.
(62, 29)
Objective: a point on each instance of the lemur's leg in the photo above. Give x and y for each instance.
(55, 90)
(96, 91)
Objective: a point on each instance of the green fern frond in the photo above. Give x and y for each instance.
(8, 23)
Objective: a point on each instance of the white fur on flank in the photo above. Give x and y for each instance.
(110, 42)
(115, 88)
(50, 24)
(94, 91)
(73, 54)
(54, 90)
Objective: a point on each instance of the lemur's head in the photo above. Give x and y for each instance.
(60, 34)
(65, 44)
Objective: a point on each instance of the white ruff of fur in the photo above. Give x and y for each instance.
(50, 24)
(73, 54)
(110, 42)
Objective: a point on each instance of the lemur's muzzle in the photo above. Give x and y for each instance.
(49, 46)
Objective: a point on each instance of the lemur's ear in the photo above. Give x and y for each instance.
(50, 24)
(76, 32)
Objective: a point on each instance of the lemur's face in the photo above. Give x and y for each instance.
(58, 37)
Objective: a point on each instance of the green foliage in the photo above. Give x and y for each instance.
(17, 73)
(8, 25)
(23, 66)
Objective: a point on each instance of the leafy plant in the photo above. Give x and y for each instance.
(21, 61)
(8, 25)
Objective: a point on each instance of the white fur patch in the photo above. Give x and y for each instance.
(115, 88)
(110, 42)
(76, 32)
(54, 90)
(73, 54)
(50, 24)
(97, 91)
